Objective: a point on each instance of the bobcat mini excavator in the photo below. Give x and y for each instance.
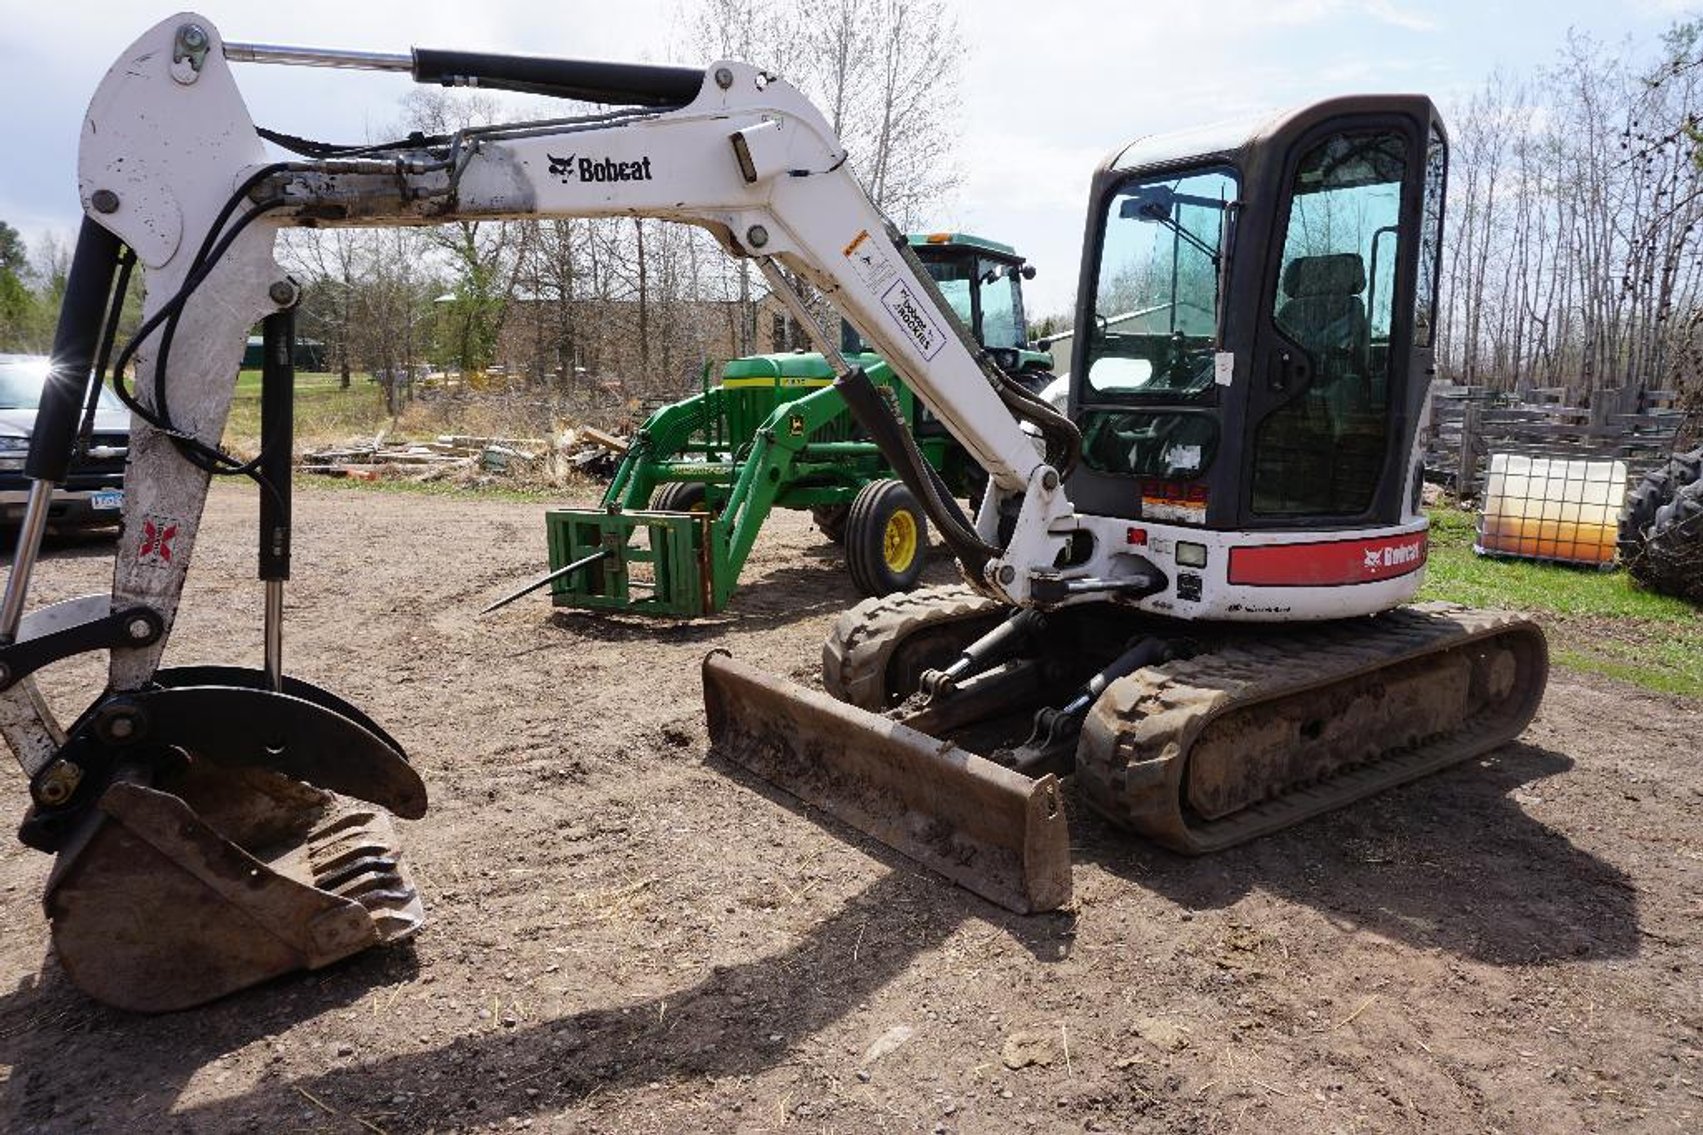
(1192, 601)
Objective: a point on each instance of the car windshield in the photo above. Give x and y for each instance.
(21, 382)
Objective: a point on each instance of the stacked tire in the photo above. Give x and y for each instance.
(1661, 528)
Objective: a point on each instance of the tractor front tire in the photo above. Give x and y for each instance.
(886, 539)
(680, 496)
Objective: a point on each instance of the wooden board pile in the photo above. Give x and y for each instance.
(585, 450)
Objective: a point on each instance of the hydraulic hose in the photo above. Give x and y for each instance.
(1063, 438)
(900, 450)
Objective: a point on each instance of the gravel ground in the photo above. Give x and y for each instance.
(626, 939)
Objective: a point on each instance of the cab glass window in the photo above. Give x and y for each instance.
(1002, 305)
(953, 279)
(1176, 446)
(1321, 451)
(1157, 292)
(1430, 238)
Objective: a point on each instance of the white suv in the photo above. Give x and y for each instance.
(93, 492)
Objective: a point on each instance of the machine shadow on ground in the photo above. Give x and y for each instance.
(611, 627)
(132, 1053)
(719, 1027)
(1451, 862)
(766, 601)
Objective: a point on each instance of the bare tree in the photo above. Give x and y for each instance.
(885, 74)
(330, 262)
(1576, 215)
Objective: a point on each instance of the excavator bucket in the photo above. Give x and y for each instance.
(155, 908)
(983, 826)
(224, 866)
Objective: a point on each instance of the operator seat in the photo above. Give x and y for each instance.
(1319, 452)
(1323, 311)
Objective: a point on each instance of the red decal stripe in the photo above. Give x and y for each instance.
(1328, 563)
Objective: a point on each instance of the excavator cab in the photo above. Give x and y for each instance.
(1257, 312)
(1249, 369)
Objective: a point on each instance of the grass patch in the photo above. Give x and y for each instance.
(453, 489)
(1598, 622)
(324, 410)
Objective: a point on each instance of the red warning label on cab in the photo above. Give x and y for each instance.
(1327, 563)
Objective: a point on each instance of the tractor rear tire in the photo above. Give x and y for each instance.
(680, 496)
(886, 539)
(831, 520)
(1658, 488)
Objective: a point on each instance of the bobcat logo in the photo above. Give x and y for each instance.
(1384, 560)
(157, 535)
(575, 168)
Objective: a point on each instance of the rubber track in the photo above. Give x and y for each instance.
(1142, 727)
(861, 643)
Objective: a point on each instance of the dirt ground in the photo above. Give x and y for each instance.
(626, 939)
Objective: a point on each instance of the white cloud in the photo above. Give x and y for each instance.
(1398, 17)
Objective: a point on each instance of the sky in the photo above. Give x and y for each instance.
(1048, 89)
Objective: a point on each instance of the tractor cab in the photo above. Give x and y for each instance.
(1255, 319)
(982, 280)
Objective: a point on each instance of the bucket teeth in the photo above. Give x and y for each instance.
(354, 856)
(352, 870)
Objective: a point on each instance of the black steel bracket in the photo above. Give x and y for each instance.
(133, 626)
(304, 733)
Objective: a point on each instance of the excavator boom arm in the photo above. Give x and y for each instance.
(230, 798)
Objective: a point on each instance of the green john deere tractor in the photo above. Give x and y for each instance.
(685, 506)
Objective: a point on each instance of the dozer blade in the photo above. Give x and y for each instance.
(983, 826)
(167, 899)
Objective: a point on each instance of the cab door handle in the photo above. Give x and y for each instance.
(1290, 370)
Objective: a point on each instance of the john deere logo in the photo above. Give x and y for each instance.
(575, 167)
(795, 425)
